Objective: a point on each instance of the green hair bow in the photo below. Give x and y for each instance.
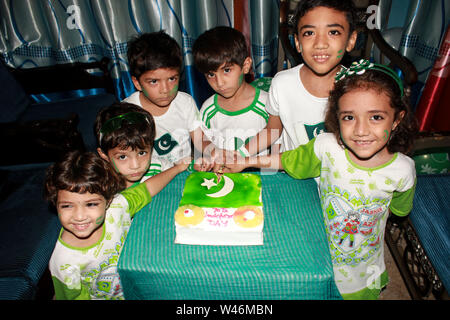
(358, 68)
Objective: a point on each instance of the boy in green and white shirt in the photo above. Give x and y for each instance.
(230, 130)
(236, 113)
(155, 60)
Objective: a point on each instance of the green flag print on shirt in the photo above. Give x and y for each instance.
(164, 144)
(201, 189)
(314, 130)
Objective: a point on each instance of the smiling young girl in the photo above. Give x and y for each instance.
(95, 213)
(364, 173)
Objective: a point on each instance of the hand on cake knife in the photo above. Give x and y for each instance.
(219, 173)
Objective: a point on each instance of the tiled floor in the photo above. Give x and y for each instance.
(396, 289)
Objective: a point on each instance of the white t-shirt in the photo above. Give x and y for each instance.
(301, 113)
(172, 140)
(232, 130)
(355, 203)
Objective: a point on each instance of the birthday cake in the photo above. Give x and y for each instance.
(224, 212)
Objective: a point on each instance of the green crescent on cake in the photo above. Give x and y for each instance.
(225, 212)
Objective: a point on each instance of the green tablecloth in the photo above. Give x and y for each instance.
(293, 263)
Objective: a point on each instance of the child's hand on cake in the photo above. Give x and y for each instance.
(157, 182)
(203, 164)
(221, 156)
(241, 163)
(237, 166)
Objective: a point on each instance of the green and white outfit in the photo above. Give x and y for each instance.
(172, 139)
(91, 273)
(355, 202)
(232, 130)
(154, 169)
(301, 113)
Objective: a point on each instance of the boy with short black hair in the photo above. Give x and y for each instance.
(155, 62)
(325, 31)
(236, 112)
(125, 135)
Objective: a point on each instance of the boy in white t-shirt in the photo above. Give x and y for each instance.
(325, 30)
(155, 62)
(236, 112)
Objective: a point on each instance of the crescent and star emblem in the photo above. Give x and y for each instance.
(228, 187)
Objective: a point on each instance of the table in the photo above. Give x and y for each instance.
(293, 263)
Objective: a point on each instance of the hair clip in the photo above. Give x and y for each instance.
(115, 123)
(362, 65)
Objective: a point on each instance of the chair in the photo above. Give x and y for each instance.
(420, 242)
(70, 88)
(30, 227)
(65, 77)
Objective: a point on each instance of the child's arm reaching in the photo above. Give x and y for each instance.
(266, 137)
(207, 150)
(156, 183)
(272, 161)
(200, 141)
(300, 163)
(210, 155)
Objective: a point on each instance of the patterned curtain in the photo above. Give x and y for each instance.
(422, 32)
(47, 32)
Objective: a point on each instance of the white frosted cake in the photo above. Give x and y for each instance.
(228, 212)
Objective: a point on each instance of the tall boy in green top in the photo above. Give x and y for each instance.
(236, 112)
